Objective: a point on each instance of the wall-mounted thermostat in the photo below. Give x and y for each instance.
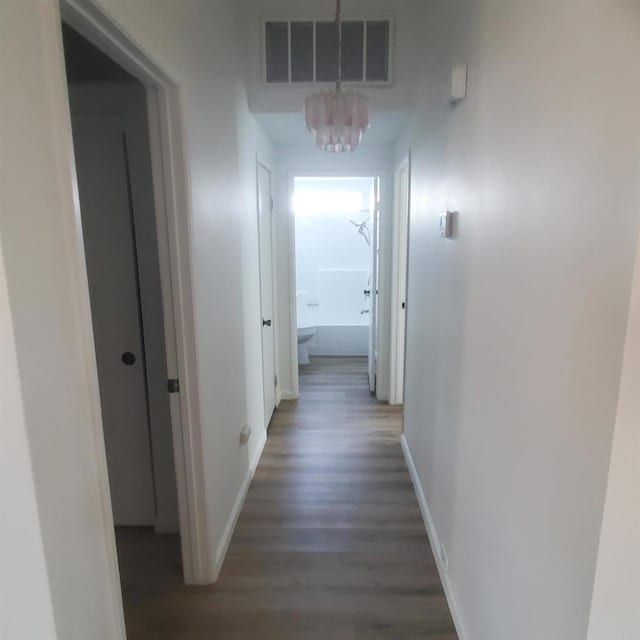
(446, 224)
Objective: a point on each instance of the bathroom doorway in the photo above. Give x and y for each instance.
(336, 269)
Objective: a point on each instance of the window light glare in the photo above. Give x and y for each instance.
(311, 202)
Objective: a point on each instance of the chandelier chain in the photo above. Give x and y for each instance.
(339, 33)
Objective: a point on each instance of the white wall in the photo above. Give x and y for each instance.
(516, 326)
(194, 42)
(369, 160)
(615, 609)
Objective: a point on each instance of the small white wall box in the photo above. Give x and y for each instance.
(446, 224)
(459, 82)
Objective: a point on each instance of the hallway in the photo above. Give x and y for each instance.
(330, 543)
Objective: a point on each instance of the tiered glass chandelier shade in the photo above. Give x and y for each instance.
(337, 119)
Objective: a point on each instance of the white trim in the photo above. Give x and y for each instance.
(230, 526)
(399, 261)
(172, 193)
(289, 395)
(452, 600)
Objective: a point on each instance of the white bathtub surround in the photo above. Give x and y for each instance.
(341, 300)
(343, 340)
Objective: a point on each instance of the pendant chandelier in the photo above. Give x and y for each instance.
(337, 119)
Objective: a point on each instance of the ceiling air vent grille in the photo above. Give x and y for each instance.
(305, 52)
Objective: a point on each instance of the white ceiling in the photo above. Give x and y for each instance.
(290, 129)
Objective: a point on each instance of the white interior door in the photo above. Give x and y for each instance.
(265, 207)
(105, 202)
(373, 314)
(399, 281)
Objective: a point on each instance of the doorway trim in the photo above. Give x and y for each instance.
(382, 176)
(170, 184)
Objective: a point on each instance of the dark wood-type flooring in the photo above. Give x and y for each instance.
(330, 544)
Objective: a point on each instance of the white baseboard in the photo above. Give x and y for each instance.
(454, 605)
(229, 528)
(289, 395)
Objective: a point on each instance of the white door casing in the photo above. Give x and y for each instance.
(265, 209)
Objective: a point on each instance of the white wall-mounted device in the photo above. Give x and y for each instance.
(458, 82)
(446, 224)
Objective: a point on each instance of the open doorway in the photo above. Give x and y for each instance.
(336, 265)
(131, 311)
(113, 168)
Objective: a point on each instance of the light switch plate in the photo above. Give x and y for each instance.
(446, 224)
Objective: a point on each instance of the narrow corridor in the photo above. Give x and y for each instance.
(330, 543)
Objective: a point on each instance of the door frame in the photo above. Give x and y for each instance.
(381, 176)
(400, 261)
(260, 162)
(170, 184)
(374, 286)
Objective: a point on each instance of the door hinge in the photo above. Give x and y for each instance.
(275, 381)
(173, 385)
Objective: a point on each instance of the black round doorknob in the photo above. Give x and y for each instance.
(128, 358)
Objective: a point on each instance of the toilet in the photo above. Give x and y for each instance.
(306, 329)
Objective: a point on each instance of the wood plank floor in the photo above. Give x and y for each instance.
(329, 545)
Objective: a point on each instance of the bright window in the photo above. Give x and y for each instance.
(311, 202)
